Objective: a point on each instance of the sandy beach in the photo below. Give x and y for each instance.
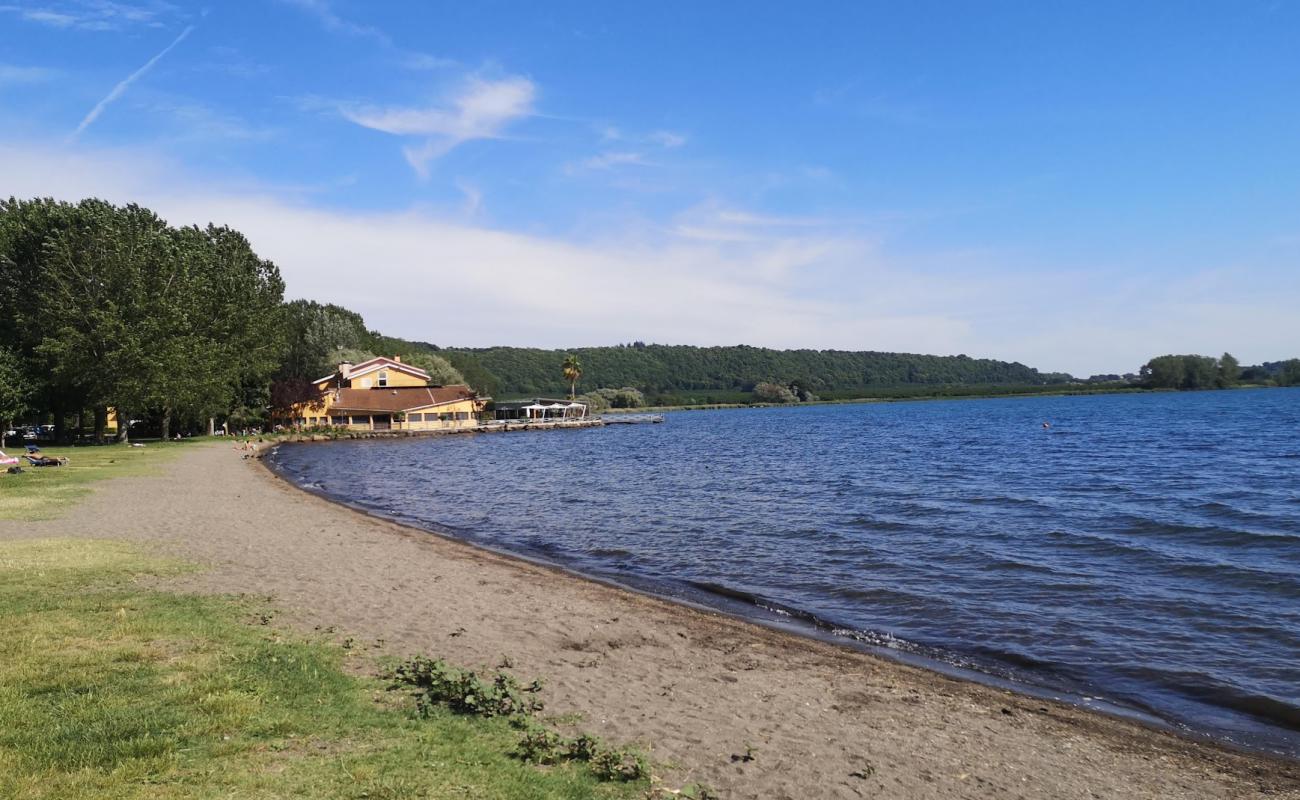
(697, 690)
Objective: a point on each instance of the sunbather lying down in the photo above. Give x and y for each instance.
(45, 461)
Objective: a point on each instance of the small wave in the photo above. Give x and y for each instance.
(610, 552)
(1005, 500)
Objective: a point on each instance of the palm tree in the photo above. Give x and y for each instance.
(572, 368)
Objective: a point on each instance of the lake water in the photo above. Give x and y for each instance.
(1142, 553)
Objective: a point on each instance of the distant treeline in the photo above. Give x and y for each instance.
(674, 374)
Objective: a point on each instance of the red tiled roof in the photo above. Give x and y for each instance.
(399, 398)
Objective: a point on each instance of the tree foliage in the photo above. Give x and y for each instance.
(571, 368)
(15, 388)
(113, 307)
(1229, 371)
(1289, 373)
(605, 398)
(1182, 372)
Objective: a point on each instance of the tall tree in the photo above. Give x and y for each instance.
(1229, 371)
(572, 369)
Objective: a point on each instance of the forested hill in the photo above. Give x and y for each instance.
(677, 371)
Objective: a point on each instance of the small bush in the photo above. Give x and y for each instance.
(619, 765)
(774, 393)
(437, 683)
(541, 745)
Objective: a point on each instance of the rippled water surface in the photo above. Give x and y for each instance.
(1143, 550)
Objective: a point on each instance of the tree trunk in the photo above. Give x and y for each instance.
(101, 423)
(60, 424)
(212, 426)
(123, 425)
(166, 425)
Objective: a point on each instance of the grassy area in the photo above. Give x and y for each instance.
(111, 689)
(43, 492)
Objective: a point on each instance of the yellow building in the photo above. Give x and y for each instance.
(384, 394)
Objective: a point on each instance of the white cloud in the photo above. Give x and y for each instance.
(481, 109)
(124, 84)
(761, 280)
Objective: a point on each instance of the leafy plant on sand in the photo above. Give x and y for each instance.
(437, 684)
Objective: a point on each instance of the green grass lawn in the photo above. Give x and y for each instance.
(43, 492)
(112, 689)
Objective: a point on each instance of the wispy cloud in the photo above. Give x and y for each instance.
(473, 197)
(424, 61)
(335, 22)
(712, 222)
(124, 84)
(12, 75)
(230, 61)
(93, 15)
(626, 149)
(195, 121)
(665, 139)
(481, 109)
(612, 159)
(324, 11)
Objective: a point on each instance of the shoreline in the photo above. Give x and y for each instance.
(801, 625)
(697, 687)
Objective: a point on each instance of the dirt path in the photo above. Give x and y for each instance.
(696, 688)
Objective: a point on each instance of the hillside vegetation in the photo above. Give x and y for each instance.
(723, 373)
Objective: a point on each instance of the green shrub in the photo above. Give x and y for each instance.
(437, 683)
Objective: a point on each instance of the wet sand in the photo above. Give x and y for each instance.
(696, 689)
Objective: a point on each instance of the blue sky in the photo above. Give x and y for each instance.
(1076, 186)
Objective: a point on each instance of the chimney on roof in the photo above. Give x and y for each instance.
(397, 359)
(344, 369)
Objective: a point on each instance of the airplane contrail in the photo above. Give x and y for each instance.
(125, 84)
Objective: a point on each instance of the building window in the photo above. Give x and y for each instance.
(462, 415)
(416, 417)
(383, 377)
(338, 420)
(361, 420)
(444, 417)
